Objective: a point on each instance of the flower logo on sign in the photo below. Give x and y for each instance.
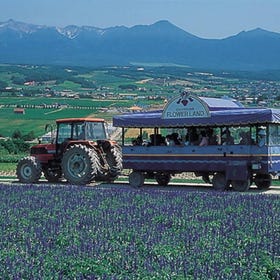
(185, 98)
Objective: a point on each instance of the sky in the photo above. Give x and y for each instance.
(203, 18)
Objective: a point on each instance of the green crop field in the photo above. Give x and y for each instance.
(34, 118)
(98, 103)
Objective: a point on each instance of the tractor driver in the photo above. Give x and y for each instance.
(82, 133)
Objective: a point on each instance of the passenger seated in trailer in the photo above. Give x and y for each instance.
(246, 138)
(204, 139)
(175, 137)
(227, 139)
(193, 137)
(138, 141)
(169, 140)
(213, 139)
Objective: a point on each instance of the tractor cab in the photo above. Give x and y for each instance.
(71, 131)
(80, 129)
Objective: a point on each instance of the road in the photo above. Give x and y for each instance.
(187, 187)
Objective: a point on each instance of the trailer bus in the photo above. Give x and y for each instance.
(229, 145)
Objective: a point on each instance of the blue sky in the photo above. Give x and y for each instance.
(203, 18)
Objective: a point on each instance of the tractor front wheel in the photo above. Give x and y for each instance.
(28, 170)
(79, 164)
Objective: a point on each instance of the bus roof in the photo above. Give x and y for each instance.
(195, 111)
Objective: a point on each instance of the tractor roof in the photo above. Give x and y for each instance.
(79, 120)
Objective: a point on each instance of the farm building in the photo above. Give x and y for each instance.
(19, 111)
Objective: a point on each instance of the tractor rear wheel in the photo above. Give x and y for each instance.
(114, 160)
(79, 164)
(29, 170)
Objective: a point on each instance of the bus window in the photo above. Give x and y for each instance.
(274, 134)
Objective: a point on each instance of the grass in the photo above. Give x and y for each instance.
(7, 167)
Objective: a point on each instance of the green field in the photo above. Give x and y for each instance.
(35, 119)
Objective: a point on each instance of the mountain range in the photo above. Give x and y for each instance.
(161, 42)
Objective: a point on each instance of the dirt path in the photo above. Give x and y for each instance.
(185, 187)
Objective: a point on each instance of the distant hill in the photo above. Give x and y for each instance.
(161, 42)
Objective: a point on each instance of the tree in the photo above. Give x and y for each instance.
(21, 146)
(128, 87)
(10, 146)
(29, 137)
(17, 134)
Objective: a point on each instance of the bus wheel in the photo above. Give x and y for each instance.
(136, 179)
(263, 181)
(163, 179)
(219, 182)
(241, 185)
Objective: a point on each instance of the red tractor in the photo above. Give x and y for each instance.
(80, 153)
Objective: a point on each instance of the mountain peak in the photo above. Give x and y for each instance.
(258, 32)
(167, 26)
(20, 26)
(163, 23)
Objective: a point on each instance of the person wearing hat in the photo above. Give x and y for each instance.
(262, 137)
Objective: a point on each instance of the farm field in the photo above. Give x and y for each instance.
(70, 232)
(34, 118)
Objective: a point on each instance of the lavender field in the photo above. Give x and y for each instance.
(70, 232)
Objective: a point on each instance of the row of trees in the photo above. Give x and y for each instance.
(16, 145)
